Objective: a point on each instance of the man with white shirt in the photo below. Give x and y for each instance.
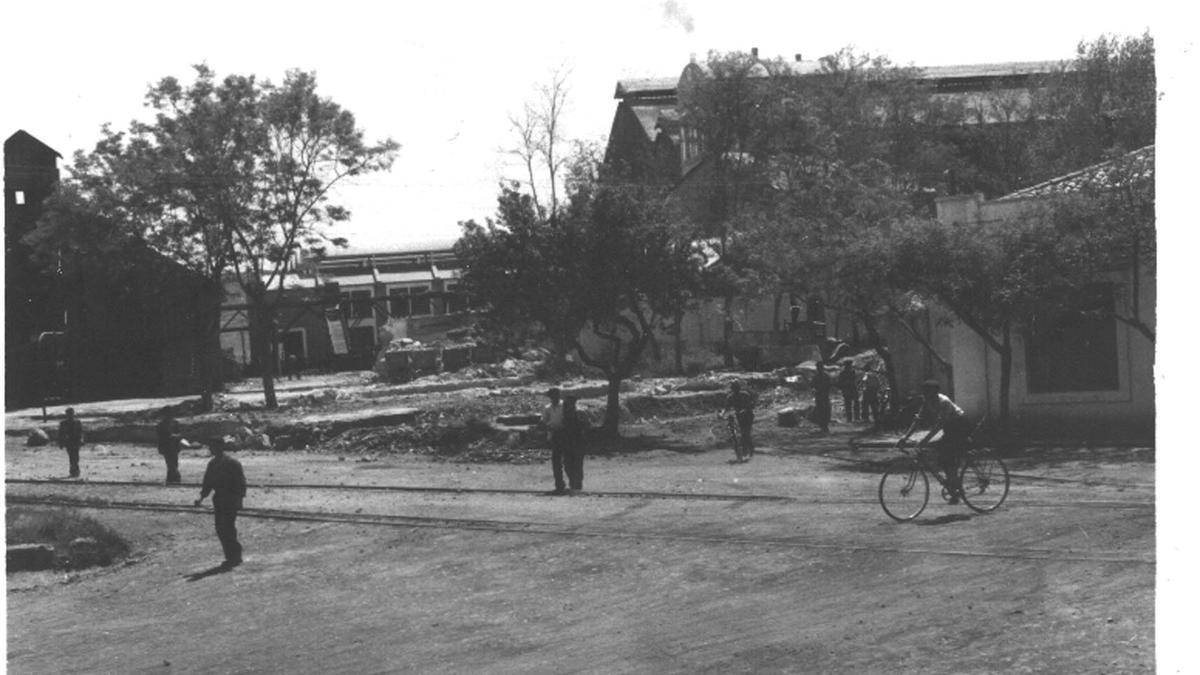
(552, 422)
(942, 414)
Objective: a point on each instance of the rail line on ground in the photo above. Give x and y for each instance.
(551, 529)
(680, 496)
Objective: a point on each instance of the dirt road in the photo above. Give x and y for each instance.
(784, 564)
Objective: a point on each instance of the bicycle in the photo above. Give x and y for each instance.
(728, 427)
(904, 488)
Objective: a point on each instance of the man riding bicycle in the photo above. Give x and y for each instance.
(943, 415)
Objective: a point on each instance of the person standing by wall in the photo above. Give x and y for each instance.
(552, 422)
(169, 437)
(70, 438)
(226, 481)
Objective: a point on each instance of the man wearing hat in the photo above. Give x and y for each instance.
(553, 423)
(224, 478)
(942, 414)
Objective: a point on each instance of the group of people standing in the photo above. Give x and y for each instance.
(223, 478)
(862, 394)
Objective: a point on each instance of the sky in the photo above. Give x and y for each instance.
(444, 79)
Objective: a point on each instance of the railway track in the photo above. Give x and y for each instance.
(631, 495)
(563, 530)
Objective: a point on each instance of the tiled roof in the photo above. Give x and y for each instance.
(1137, 166)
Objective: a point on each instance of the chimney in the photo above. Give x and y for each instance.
(799, 58)
(754, 52)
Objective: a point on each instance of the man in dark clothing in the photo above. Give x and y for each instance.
(552, 422)
(848, 383)
(224, 478)
(70, 438)
(741, 403)
(822, 411)
(870, 397)
(169, 438)
(942, 414)
(572, 439)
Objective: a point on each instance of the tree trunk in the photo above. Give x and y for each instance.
(262, 345)
(1005, 376)
(678, 334)
(728, 332)
(207, 328)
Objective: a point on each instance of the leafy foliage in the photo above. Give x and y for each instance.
(608, 265)
(232, 177)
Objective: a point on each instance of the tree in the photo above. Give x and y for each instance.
(540, 141)
(608, 267)
(1103, 104)
(1105, 223)
(836, 156)
(232, 178)
(993, 278)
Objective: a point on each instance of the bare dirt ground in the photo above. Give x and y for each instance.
(673, 560)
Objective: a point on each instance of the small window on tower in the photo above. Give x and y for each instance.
(19, 195)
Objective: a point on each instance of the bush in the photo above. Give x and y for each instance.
(60, 527)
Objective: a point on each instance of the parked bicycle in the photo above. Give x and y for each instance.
(904, 488)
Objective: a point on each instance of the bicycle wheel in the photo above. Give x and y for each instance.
(904, 491)
(984, 481)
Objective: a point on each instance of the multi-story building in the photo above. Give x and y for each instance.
(349, 305)
(653, 140)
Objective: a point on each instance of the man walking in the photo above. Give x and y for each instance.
(169, 438)
(225, 479)
(70, 438)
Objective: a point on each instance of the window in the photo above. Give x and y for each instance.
(409, 301)
(19, 196)
(358, 304)
(1073, 348)
(455, 301)
(693, 144)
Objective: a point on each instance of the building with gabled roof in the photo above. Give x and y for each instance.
(1076, 371)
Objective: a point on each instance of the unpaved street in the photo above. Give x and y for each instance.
(671, 562)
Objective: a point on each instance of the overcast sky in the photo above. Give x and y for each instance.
(442, 79)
